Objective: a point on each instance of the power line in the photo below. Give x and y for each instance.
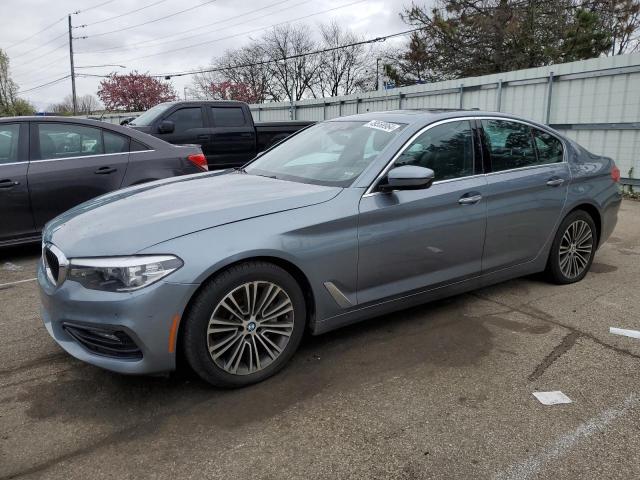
(242, 33)
(121, 15)
(151, 21)
(38, 48)
(52, 82)
(40, 67)
(95, 6)
(62, 45)
(290, 57)
(35, 34)
(198, 29)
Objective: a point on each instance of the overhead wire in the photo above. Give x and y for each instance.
(58, 80)
(242, 33)
(35, 34)
(121, 15)
(200, 29)
(290, 57)
(150, 21)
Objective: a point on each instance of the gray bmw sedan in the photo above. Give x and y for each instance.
(348, 219)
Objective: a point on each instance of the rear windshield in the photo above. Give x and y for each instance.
(329, 153)
(148, 117)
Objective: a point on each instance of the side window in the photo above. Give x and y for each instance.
(549, 147)
(114, 143)
(510, 144)
(9, 134)
(228, 116)
(446, 149)
(136, 146)
(186, 119)
(60, 140)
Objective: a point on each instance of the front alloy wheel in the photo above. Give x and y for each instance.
(250, 327)
(244, 325)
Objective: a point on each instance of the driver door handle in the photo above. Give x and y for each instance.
(470, 200)
(8, 183)
(105, 170)
(554, 182)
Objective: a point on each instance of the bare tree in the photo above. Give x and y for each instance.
(243, 67)
(343, 70)
(291, 72)
(87, 104)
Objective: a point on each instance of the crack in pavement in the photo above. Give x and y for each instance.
(565, 345)
(545, 317)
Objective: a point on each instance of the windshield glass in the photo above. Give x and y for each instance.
(148, 117)
(329, 153)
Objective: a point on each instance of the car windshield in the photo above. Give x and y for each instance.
(148, 117)
(329, 153)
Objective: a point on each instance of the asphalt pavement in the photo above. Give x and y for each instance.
(439, 391)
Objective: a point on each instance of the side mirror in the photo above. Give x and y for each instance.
(166, 126)
(408, 177)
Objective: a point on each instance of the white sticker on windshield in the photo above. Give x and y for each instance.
(384, 126)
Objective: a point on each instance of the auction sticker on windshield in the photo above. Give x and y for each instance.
(384, 126)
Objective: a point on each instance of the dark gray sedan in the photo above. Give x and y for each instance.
(50, 164)
(348, 219)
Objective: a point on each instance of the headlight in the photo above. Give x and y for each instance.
(121, 274)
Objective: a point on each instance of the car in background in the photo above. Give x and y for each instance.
(224, 129)
(50, 164)
(348, 219)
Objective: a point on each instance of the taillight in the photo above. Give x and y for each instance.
(615, 173)
(199, 160)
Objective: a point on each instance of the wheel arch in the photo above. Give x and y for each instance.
(594, 213)
(291, 268)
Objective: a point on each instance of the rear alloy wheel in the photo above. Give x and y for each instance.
(573, 248)
(244, 325)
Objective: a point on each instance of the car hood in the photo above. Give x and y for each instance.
(129, 220)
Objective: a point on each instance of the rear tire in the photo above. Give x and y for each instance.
(244, 325)
(573, 248)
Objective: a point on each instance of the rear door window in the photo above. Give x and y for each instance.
(510, 144)
(228, 117)
(186, 119)
(9, 141)
(62, 140)
(549, 148)
(114, 143)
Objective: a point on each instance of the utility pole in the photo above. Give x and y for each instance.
(73, 74)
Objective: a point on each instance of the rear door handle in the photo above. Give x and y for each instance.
(8, 183)
(470, 200)
(554, 182)
(247, 134)
(203, 137)
(105, 170)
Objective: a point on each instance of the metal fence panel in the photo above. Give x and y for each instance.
(596, 102)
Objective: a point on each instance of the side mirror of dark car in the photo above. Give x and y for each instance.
(166, 126)
(408, 177)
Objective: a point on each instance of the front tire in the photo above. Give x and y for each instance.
(244, 325)
(573, 248)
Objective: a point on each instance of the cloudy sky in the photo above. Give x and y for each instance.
(184, 40)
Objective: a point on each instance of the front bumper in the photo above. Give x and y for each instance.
(147, 316)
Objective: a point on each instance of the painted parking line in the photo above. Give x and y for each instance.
(624, 332)
(530, 468)
(17, 282)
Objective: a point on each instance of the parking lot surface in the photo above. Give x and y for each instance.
(443, 390)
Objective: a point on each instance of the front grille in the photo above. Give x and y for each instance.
(52, 262)
(109, 343)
